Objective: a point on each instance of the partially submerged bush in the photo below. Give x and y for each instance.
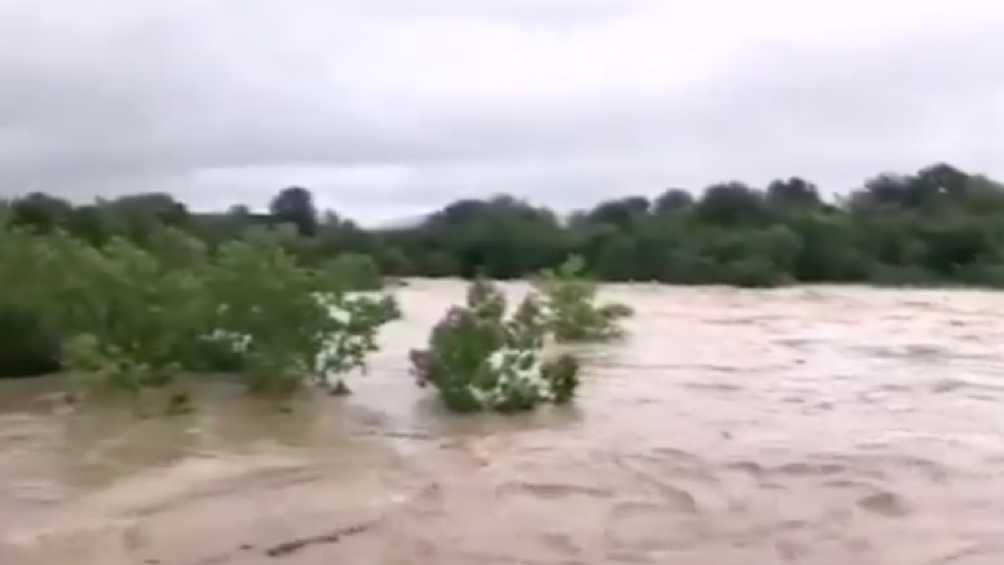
(290, 322)
(103, 365)
(354, 271)
(26, 346)
(753, 272)
(569, 300)
(131, 317)
(479, 360)
(350, 335)
(119, 308)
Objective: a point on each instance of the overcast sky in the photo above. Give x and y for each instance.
(390, 108)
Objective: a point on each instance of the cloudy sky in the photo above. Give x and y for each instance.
(389, 108)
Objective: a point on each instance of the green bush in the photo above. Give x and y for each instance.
(293, 323)
(569, 303)
(354, 271)
(984, 275)
(901, 275)
(134, 317)
(99, 364)
(117, 302)
(688, 266)
(215, 354)
(26, 347)
(753, 272)
(478, 359)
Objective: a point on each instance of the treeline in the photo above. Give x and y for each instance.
(938, 226)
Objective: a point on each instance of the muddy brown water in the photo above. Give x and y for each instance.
(805, 425)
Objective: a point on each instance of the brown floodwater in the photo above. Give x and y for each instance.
(811, 425)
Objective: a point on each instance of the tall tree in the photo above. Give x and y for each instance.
(731, 203)
(672, 200)
(794, 193)
(295, 205)
(40, 211)
(621, 212)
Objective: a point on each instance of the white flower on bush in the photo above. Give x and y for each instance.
(234, 341)
(341, 348)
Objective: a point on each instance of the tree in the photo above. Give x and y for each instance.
(953, 244)
(945, 179)
(731, 203)
(293, 323)
(126, 319)
(622, 212)
(502, 237)
(29, 347)
(673, 200)
(780, 245)
(439, 263)
(354, 271)
(336, 235)
(939, 223)
(149, 208)
(883, 190)
(40, 212)
(135, 216)
(983, 196)
(829, 249)
(793, 194)
(615, 258)
(91, 223)
(295, 205)
(935, 188)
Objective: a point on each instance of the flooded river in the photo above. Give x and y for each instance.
(806, 425)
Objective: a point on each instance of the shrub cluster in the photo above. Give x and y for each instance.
(480, 359)
(129, 317)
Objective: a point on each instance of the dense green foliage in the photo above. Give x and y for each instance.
(570, 309)
(938, 226)
(479, 359)
(354, 270)
(289, 321)
(133, 316)
(26, 347)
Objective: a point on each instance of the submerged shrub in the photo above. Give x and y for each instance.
(103, 365)
(291, 323)
(26, 347)
(563, 374)
(354, 271)
(350, 332)
(478, 359)
(216, 353)
(131, 317)
(569, 300)
(753, 272)
(118, 307)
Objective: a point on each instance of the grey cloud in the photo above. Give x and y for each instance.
(391, 107)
